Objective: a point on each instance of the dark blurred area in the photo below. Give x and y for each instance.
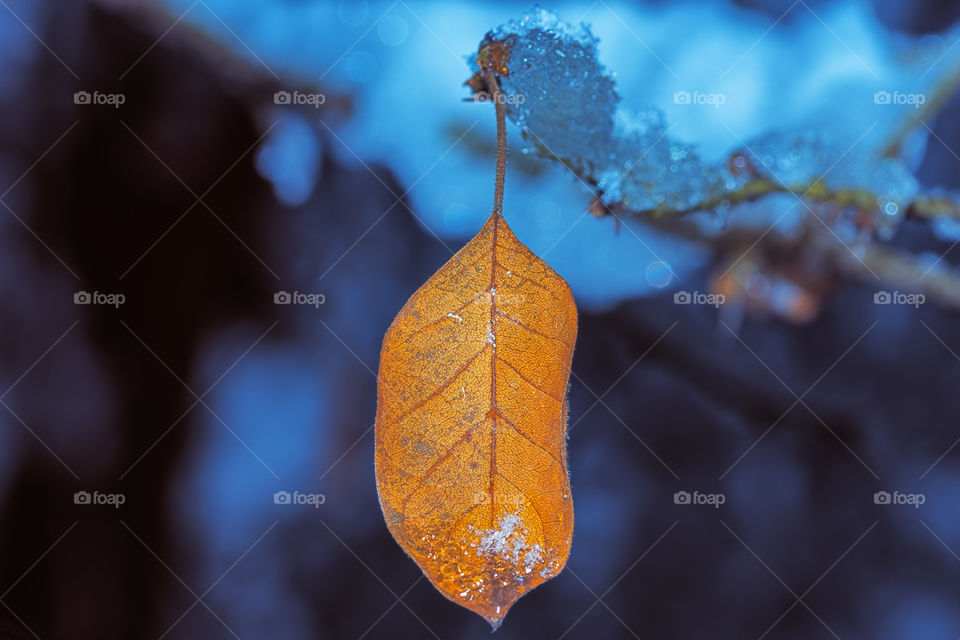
(186, 407)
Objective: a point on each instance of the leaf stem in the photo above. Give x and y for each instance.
(494, 89)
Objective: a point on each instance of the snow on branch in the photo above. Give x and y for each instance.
(799, 209)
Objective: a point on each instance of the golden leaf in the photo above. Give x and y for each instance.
(471, 423)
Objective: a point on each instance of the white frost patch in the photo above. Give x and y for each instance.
(491, 339)
(509, 541)
(533, 556)
(455, 317)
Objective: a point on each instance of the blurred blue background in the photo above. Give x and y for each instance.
(200, 199)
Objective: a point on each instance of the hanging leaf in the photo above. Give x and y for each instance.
(471, 423)
(472, 411)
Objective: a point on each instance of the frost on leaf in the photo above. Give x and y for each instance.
(509, 541)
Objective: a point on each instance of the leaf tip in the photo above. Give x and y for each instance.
(495, 622)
